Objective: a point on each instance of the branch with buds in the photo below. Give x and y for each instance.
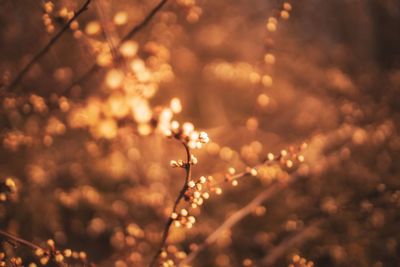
(44, 255)
(190, 139)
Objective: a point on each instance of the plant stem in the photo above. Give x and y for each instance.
(188, 169)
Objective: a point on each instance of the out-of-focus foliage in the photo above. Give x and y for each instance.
(86, 157)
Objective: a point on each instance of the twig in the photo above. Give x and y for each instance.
(144, 22)
(137, 28)
(296, 239)
(18, 240)
(188, 169)
(45, 49)
(237, 217)
(237, 176)
(13, 239)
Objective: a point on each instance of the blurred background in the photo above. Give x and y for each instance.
(91, 164)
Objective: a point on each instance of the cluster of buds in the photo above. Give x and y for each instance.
(272, 23)
(232, 177)
(283, 13)
(196, 192)
(47, 20)
(14, 140)
(132, 235)
(193, 10)
(285, 10)
(50, 15)
(66, 14)
(298, 261)
(15, 261)
(58, 256)
(187, 134)
(177, 164)
(288, 158)
(2, 259)
(266, 79)
(170, 256)
(272, 166)
(7, 188)
(199, 190)
(183, 219)
(181, 164)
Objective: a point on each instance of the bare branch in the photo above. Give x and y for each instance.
(16, 239)
(238, 216)
(144, 22)
(13, 239)
(45, 49)
(301, 236)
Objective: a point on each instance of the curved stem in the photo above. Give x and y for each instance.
(188, 169)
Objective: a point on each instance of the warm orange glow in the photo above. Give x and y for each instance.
(199, 133)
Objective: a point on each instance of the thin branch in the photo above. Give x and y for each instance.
(45, 49)
(13, 239)
(137, 28)
(238, 216)
(188, 169)
(237, 176)
(144, 22)
(93, 69)
(16, 239)
(296, 239)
